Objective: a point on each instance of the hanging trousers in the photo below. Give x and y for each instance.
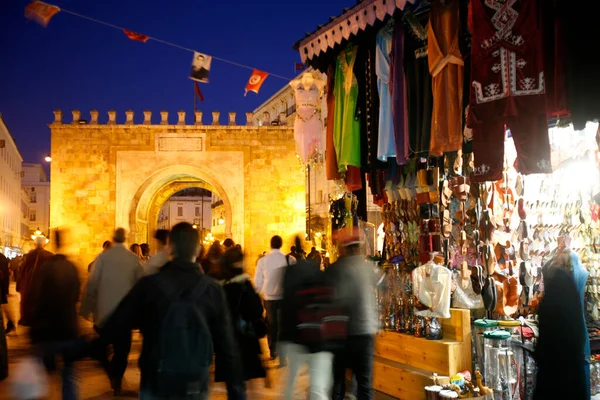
(530, 135)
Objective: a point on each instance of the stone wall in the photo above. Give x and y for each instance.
(106, 175)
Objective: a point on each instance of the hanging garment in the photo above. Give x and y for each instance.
(386, 147)
(582, 78)
(446, 67)
(507, 87)
(465, 50)
(308, 126)
(418, 85)
(398, 88)
(554, 61)
(368, 102)
(353, 179)
(331, 168)
(346, 129)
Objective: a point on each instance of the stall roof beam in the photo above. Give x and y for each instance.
(352, 21)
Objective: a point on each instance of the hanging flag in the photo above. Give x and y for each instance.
(255, 82)
(138, 37)
(198, 92)
(299, 67)
(41, 12)
(200, 67)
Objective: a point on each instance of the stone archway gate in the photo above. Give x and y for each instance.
(107, 175)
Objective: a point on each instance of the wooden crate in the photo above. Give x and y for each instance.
(404, 364)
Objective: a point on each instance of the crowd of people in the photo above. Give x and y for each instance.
(194, 307)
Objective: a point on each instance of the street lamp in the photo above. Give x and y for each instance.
(48, 158)
(195, 226)
(38, 234)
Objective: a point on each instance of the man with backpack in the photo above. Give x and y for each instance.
(183, 317)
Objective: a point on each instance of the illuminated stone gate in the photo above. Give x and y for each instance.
(107, 175)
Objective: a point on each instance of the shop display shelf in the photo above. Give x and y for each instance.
(404, 364)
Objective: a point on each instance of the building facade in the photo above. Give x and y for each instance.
(35, 183)
(106, 174)
(189, 205)
(10, 193)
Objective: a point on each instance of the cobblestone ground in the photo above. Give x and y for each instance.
(93, 383)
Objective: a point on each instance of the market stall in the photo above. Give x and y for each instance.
(468, 123)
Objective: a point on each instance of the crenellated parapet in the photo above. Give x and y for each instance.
(182, 119)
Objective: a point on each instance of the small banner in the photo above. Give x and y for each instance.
(138, 37)
(299, 67)
(41, 12)
(200, 67)
(255, 82)
(198, 92)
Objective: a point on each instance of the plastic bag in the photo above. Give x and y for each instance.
(29, 380)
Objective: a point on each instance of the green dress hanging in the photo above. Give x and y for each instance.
(346, 128)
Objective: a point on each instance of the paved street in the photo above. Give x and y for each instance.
(94, 385)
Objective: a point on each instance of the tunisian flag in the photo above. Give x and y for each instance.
(41, 12)
(255, 82)
(138, 37)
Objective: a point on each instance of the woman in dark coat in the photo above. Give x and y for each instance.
(245, 306)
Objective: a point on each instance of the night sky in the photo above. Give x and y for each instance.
(77, 64)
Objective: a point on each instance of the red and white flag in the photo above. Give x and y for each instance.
(138, 37)
(255, 82)
(41, 12)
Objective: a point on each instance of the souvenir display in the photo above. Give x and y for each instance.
(481, 193)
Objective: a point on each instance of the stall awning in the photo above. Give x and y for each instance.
(352, 21)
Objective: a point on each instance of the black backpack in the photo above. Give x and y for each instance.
(183, 348)
(321, 322)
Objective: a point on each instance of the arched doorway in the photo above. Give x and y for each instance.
(156, 190)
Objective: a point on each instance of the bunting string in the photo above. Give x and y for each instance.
(164, 42)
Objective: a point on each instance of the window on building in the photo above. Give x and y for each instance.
(32, 215)
(33, 195)
(197, 211)
(180, 211)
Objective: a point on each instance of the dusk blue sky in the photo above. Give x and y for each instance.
(77, 64)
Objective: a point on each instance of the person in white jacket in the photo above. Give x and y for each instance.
(268, 281)
(115, 272)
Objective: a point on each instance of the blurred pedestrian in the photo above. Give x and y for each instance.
(315, 256)
(4, 285)
(33, 260)
(145, 250)
(246, 310)
(105, 246)
(268, 280)
(10, 310)
(181, 314)
(55, 292)
(228, 244)
(317, 354)
(295, 253)
(356, 282)
(211, 265)
(115, 273)
(136, 249)
(157, 261)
